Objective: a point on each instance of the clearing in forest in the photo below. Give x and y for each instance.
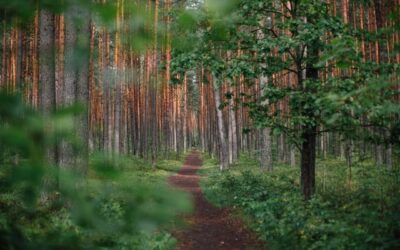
(209, 227)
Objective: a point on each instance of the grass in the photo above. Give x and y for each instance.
(357, 211)
(123, 203)
(150, 183)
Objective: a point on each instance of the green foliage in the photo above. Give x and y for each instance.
(139, 23)
(214, 32)
(123, 204)
(363, 214)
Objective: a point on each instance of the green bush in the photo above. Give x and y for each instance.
(124, 203)
(364, 215)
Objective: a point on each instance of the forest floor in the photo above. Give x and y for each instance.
(209, 227)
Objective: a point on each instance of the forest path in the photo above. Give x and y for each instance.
(209, 227)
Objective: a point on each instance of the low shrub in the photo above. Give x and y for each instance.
(361, 214)
(123, 202)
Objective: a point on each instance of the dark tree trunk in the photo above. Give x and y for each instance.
(308, 161)
(309, 136)
(384, 151)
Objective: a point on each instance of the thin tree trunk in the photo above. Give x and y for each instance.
(234, 139)
(76, 76)
(266, 141)
(224, 161)
(386, 151)
(292, 160)
(47, 91)
(82, 90)
(47, 70)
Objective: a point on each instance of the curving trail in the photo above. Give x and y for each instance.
(209, 227)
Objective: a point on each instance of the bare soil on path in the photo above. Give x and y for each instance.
(209, 227)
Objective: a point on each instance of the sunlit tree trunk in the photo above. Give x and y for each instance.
(224, 161)
(185, 114)
(233, 128)
(266, 141)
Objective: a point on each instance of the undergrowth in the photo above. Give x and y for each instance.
(358, 213)
(122, 203)
(125, 204)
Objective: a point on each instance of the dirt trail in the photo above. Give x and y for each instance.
(209, 227)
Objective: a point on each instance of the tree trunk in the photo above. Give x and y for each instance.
(82, 90)
(47, 70)
(76, 77)
(224, 161)
(282, 148)
(233, 125)
(308, 161)
(47, 91)
(292, 160)
(70, 81)
(266, 141)
(382, 57)
(309, 132)
(266, 150)
(184, 114)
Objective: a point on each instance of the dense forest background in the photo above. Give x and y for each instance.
(297, 101)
